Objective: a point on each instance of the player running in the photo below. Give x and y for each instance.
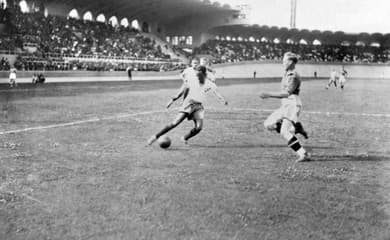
(12, 78)
(333, 79)
(211, 82)
(342, 78)
(285, 119)
(194, 88)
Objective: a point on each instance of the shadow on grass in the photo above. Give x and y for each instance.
(249, 145)
(348, 157)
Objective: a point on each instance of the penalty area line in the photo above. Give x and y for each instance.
(80, 122)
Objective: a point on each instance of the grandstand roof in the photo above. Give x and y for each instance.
(325, 37)
(161, 11)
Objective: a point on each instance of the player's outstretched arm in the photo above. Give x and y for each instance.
(266, 95)
(178, 95)
(220, 97)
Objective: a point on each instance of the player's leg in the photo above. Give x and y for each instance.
(274, 121)
(300, 130)
(287, 131)
(198, 126)
(342, 82)
(330, 82)
(197, 116)
(294, 114)
(179, 118)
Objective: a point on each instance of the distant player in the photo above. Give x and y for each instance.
(12, 77)
(343, 78)
(285, 119)
(194, 85)
(333, 79)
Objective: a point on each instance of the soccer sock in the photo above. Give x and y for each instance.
(294, 144)
(278, 127)
(192, 133)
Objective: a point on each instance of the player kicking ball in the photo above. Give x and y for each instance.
(285, 119)
(194, 88)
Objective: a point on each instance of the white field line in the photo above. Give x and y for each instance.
(134, 115)
(74, 123)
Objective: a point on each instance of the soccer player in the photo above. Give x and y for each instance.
(211, 80)
(285, 119)
(194, 85)
(332, 79)
(342, 78)
(12, 77)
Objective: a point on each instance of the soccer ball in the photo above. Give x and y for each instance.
(164, 142)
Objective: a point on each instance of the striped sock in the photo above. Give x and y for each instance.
(294, 144)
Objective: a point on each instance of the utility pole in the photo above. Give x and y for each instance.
(293, 14)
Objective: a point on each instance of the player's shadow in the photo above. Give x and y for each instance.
(176, 149)
(349, 158)
(249, 145)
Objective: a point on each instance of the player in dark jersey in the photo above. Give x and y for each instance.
(343, 78)
(285, 119)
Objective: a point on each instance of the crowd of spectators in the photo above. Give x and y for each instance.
(44, 41)
(228, 51)
(32, 63)
(4, 64)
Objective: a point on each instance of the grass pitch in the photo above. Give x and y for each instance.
(73, 164)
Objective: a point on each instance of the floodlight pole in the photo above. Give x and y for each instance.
(293, 14)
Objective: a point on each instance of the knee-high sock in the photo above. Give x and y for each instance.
(294, 144)
(192, 133)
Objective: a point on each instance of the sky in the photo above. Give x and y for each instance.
(351, 16)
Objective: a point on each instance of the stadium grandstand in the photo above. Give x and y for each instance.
(254, 42)
(160, 35)
(74, 35)
(184, 120)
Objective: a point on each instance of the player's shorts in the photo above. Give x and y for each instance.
(195, 111)
(290, 110)
(12, 80)
(342, 79)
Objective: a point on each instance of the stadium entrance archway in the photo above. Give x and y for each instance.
(101, 18)
(24, 6)
(360, 44)
(125, 22)
(113, 21)
(135, 24)
(74, 14)
(316, 42)
(88, 16)
(3, 4)
(145, 27)
(303, 42)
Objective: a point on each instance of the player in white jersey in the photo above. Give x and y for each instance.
(12, 77)
(194, 85)
(285, 119)
(333, 79)
(211, 82)
(342, 78)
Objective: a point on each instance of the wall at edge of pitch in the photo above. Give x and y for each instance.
(275, 69)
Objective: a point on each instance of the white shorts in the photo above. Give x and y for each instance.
(342, 80)
(194, 111)
(290, 110)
